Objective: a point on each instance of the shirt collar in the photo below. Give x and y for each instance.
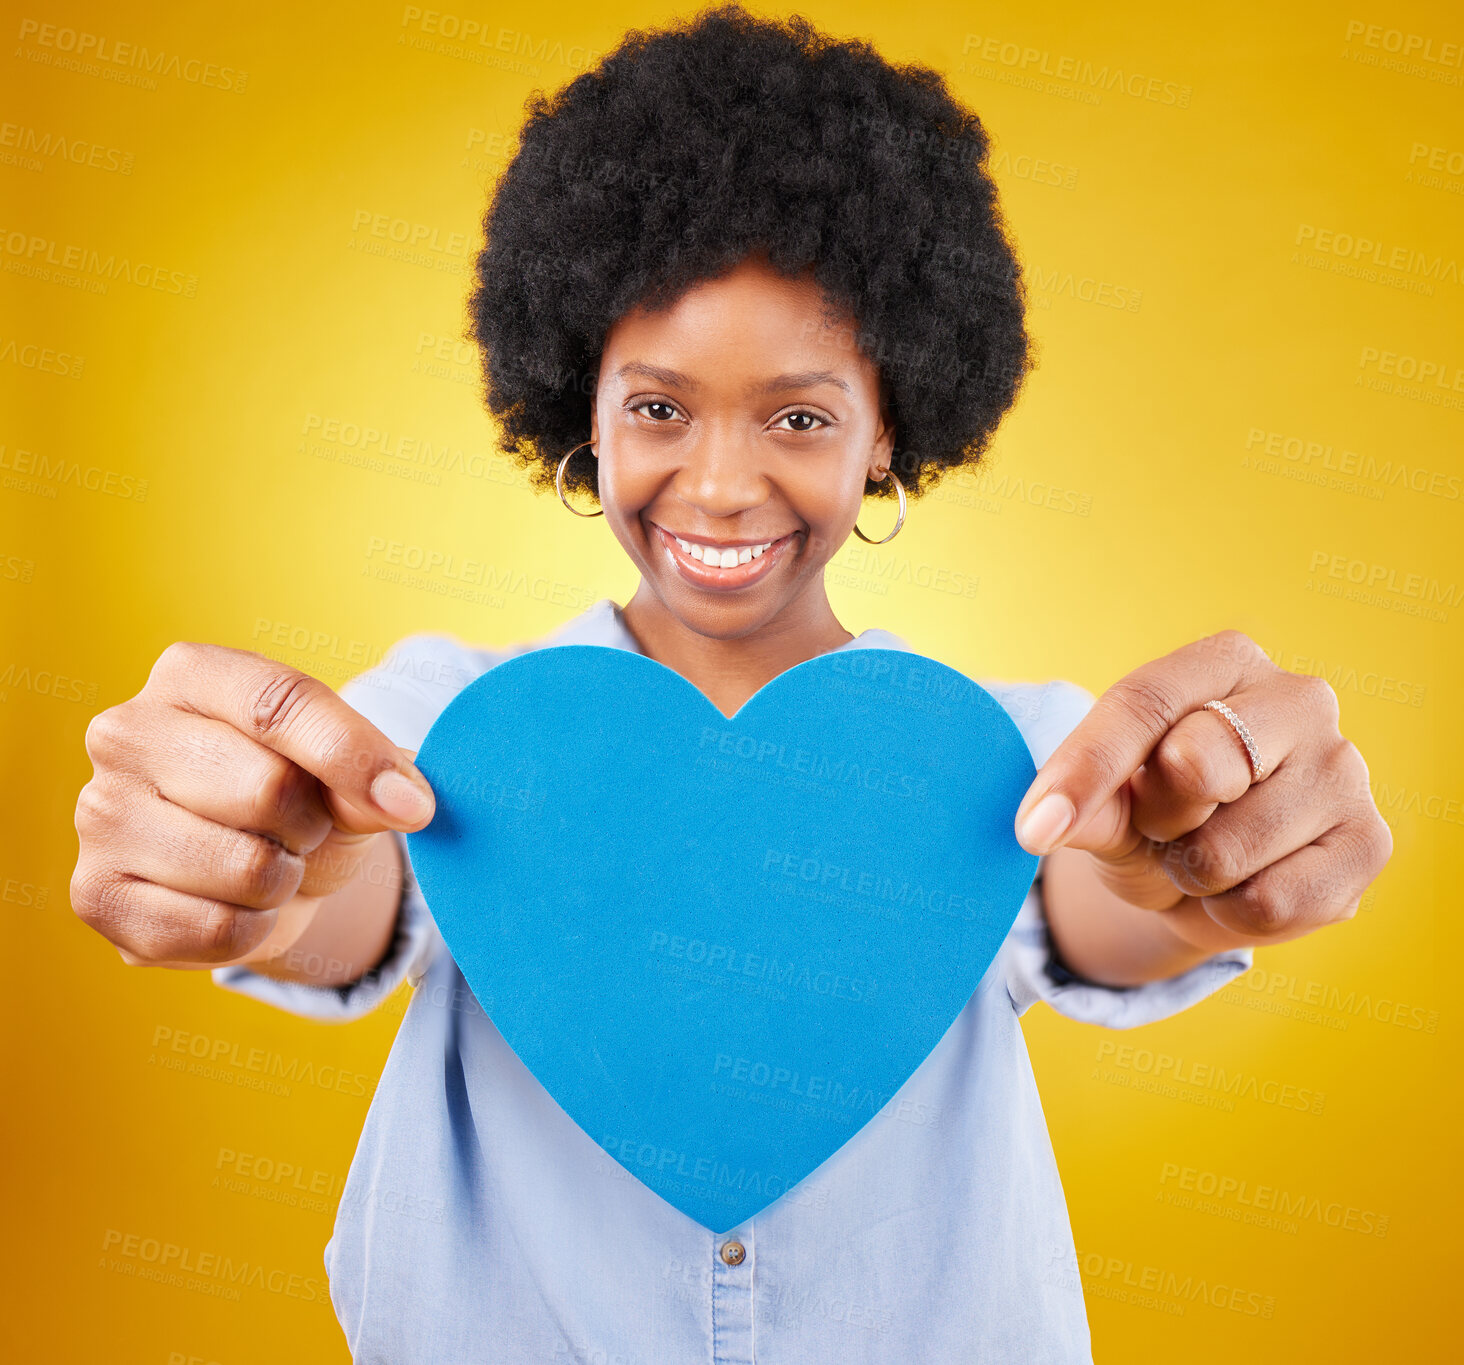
(604, 624)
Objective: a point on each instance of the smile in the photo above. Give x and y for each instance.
(722, 567)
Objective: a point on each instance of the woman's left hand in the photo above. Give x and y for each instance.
(1160, 791)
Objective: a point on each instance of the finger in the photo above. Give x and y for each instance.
(1270, 821)
(212, 770)
(152, 839)
(1122, 728)
(155, 925)
(1316, 885)
(1202, 762)
(370, 784)
(290, 922)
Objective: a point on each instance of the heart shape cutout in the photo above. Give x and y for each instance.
(722, 945)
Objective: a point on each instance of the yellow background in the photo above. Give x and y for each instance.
(1167, 522)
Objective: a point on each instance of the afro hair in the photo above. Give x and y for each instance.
(692, 146)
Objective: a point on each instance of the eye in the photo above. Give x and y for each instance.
(666, 409)
(802, 416)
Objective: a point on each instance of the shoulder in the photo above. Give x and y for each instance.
(416, 678)
(421, 673)
(1046, 712)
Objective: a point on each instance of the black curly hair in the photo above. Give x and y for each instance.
(726, 134)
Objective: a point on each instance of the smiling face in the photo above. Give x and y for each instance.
(735, 431)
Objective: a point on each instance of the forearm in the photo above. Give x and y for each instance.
(1107, 940)
(336, 939)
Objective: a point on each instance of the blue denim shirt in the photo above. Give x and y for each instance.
(478, 1223)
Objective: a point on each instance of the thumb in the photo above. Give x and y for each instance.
(1108, 833)
(1128, 864)
(350, 816)
(338, 857)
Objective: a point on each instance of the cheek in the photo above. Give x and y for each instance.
(625, 487)
(828, 499)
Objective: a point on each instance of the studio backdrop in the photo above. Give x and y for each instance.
(238, 408)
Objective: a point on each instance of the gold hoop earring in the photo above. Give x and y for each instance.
(559, 482)
(899, 520)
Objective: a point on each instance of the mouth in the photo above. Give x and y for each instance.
(722, 567)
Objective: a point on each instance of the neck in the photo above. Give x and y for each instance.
(727, 671)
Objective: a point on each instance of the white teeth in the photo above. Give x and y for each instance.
(722, 559)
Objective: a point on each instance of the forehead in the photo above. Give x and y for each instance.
(749, 319)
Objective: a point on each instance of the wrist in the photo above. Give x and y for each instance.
(1106, 939)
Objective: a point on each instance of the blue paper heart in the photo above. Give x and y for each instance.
(721, 945)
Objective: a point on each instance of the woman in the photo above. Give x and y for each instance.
(735, 279)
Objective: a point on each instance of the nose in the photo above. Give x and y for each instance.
(721, 476)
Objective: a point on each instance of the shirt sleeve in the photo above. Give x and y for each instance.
(1046, 714)
(401, 696)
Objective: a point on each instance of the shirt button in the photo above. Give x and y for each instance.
(733, 1252)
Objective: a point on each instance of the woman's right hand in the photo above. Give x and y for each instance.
(229, 796)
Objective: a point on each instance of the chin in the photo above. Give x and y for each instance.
(723, 620)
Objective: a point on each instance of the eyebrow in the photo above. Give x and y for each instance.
(800, 379)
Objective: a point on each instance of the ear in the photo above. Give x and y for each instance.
(881, 454)
(594, 432)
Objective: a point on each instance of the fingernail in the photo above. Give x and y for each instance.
(400, 797)
(1046, 822)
